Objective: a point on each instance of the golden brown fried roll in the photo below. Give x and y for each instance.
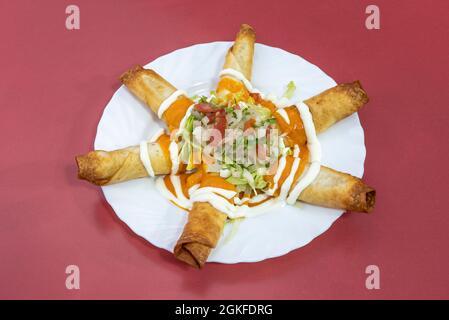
(148, 86)
(152, 89)
(336, 104)
(240, 55)
(103, 167)
(201, 234)
(338, 190)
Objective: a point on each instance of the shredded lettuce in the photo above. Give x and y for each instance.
(189, 123)
(246, 177)
(259, 182)
(236, 181)
(290, 91)
(263, 112)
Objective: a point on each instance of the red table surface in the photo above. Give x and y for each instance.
(55, 83)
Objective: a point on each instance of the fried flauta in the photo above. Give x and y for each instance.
(103, 168)
(153, 90)
(336, 104)
(338, 190)
(201, 234)
(240, 56)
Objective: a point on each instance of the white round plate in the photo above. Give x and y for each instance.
(126, 121)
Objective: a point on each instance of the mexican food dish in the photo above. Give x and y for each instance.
(235, 153)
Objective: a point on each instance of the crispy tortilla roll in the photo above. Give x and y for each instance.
(201, 234)
(240, 55)
(148, 86)
(334, 189)
(103, 168)
(336, 104)
(153, 89)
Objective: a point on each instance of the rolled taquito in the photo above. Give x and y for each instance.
(201, 233)
(240, 56)
(153, 89)
(104, 168)
(336, 104)
(338, 190)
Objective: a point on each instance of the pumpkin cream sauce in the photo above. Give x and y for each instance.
(297, 166)
(164, 143)
(228, 86)
(176, 112)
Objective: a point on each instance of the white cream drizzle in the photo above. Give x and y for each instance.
(145, 158)
(239, 76)
(179, 199)
(314, 146)
(169, 101)
(182, 124)
(174, 156)
(281, 166)
(285, 188)
(157, 135)
(145, 155)
(228, 194)
(280, 103)
(284, 115)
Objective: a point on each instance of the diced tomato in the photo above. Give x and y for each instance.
(204, 107)
(221, 123)
(268, 132)
(210, 116)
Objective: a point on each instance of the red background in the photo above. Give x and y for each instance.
(55, 83)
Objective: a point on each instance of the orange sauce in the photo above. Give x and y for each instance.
(264, 103)
(214, 180)
(285, 173)
(183, 178)
(231, 85)
(249, 124)
(177, 110)
(260, 202)
(164, 143)
(227, 87)
(194, 179)
(169, 185)
(304, 155)
(295, 130)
